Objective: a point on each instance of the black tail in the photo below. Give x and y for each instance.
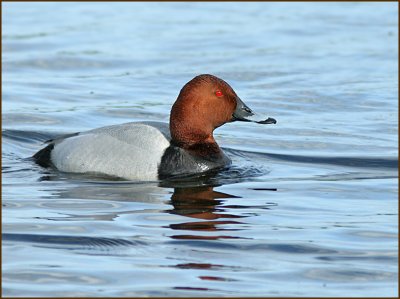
(43, 157)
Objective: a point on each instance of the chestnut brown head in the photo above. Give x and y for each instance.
(203, 104)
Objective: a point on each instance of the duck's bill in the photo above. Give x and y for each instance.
(244, 113)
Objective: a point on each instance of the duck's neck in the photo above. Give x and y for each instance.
(199, 145)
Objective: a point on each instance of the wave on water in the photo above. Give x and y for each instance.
(359, 162)
(70, 242)
(27, 136)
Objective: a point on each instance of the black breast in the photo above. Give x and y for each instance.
(177, 161)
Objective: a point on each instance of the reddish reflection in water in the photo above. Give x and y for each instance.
(199, 202)
(202, 266)
(216, 278)
(202, 203)
(197, 237)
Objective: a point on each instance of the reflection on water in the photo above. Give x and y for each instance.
(201, 203)
(195, 201)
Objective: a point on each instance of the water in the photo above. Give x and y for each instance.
(309, 207)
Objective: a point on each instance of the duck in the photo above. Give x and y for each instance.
(151, 150)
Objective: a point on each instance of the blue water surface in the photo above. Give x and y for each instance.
(309, 206)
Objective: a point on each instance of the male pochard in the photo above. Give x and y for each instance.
(151, 150)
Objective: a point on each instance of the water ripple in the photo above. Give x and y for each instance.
(71, 242)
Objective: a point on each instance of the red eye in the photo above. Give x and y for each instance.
(219, 93)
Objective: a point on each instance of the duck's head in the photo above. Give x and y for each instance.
(204, 104)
